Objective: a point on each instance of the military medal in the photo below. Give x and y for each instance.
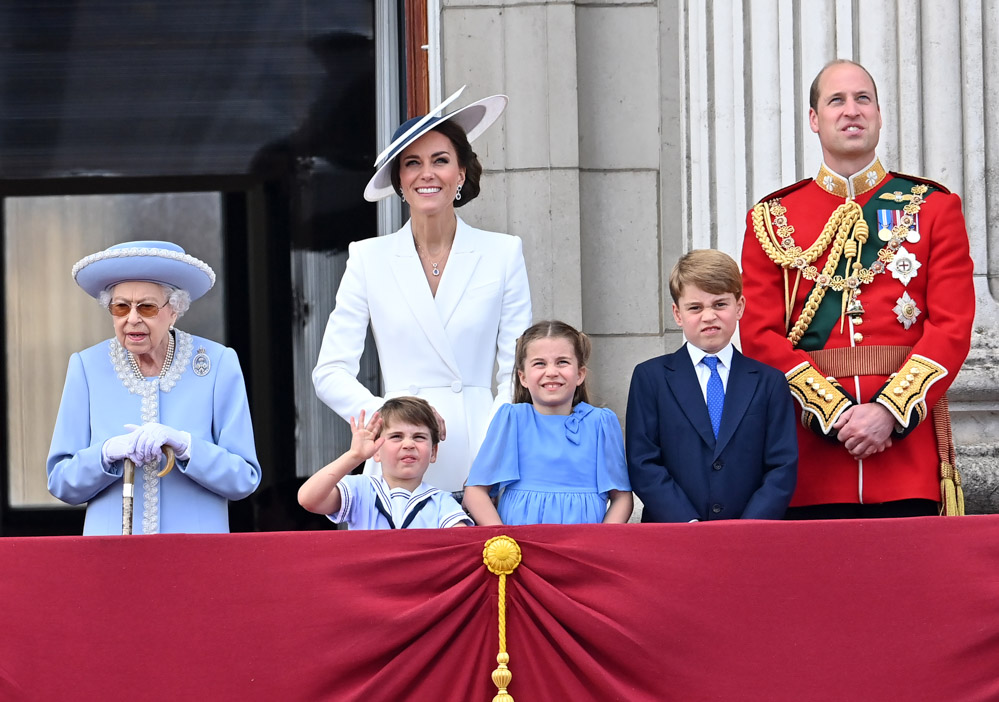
(201, 363)
(904, 266)
(886, 223)
(906, 310)
(902, 223)
(847, 226)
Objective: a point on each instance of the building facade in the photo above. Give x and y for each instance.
(640, 130)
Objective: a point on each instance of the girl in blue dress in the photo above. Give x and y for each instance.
(550, 456)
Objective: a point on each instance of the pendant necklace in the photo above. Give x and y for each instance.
(433, 264)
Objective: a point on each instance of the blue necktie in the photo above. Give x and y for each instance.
(716, 393)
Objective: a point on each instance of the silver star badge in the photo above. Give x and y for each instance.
(904, 266)
(906, 310)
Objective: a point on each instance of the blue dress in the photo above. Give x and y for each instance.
(552, 469)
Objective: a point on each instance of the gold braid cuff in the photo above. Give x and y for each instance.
(822, 399)
(906, 390)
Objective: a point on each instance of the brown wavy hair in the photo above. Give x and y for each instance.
(552, 329)
(466, 159)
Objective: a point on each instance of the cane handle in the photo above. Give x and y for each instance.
(171, 459)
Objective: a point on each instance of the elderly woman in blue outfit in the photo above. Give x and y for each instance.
(148, 387)
(445, 301)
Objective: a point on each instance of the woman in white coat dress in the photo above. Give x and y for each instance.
(445, 301)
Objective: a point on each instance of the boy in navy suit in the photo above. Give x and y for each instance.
(710, 433)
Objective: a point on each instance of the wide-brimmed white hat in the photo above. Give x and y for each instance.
(150, 261)
(474, 119)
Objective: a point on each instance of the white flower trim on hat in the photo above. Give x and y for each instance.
(145, 251)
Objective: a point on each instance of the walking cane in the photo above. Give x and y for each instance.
(128, 488)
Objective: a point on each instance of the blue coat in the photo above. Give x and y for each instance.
(677, 467)
(101, 395)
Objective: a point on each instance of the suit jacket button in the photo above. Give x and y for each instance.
(413, 389)
(456, 386)
(716, 508)
(717, 465)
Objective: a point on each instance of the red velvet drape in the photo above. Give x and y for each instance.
(854, 610)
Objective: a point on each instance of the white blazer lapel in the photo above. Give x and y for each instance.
(460, 267)
(415, 292)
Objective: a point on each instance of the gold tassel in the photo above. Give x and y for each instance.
(951, 493)
(501, 555)
(960, 492)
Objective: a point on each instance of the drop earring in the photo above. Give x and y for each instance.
(457, 195)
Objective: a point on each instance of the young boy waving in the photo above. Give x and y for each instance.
(403, 437)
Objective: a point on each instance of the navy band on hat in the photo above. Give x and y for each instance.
(474, 119)
(160, 262)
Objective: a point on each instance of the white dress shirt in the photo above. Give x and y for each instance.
(703, 372)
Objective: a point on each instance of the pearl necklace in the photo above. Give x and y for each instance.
(166, 361)
(433, 264)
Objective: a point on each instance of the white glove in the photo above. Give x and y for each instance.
(118, 448)
(153, 436)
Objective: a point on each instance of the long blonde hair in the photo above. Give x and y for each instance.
(547, 330)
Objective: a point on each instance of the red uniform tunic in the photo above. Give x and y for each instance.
(902, 351)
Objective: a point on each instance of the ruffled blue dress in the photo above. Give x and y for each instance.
(552, 469)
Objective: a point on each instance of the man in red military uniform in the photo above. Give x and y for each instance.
(858, 286)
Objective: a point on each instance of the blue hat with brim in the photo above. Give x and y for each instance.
(474, 119)
(160, 262)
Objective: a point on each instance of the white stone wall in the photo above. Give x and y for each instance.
(639, 130)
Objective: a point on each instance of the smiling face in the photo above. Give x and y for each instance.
(708, 320)
(143, 336)
(407, 452)
(846, 117)
(429, 174)
(551, 373)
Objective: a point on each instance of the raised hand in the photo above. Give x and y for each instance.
(365, 442)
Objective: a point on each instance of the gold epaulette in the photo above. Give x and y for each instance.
(920, 179)
(821, 398)
(906, 390)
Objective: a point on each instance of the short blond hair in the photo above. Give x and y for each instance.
(712, 271)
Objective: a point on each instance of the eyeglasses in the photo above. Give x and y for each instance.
(145, 309)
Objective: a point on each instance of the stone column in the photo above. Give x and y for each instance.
(575, 169)
(532, 181)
